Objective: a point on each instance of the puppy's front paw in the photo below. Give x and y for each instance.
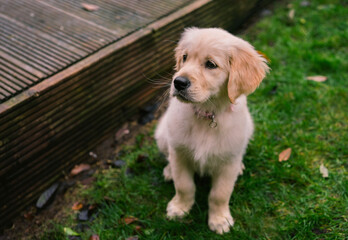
(220, 223)
(178, 209)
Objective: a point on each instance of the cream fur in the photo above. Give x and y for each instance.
(188, 141)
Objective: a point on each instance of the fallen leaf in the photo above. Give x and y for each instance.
(324, 171)
(46, 196)
(109, 199)
(29, 216)
(138, 228)
(70, 232)
(77, 206)
(92, 207)
(80, 168)
(94, 237)
(89, 7)
(129, 220)
(285, 155)
(121, 133)
(317, 78)
(291, 14)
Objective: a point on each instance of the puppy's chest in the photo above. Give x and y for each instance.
(203, 141)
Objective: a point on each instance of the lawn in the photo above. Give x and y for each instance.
(272, 200)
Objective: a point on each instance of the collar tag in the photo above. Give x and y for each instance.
(206, 115)
(213, 123)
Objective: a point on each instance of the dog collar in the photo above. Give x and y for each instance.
(209, 115)
(206, 115)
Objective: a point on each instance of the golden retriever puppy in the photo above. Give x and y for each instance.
(207, 126)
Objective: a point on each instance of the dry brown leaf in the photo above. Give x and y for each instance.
(94, 237)
(77, 206)
(285, 155)
(317, 78)
(138, 228)
(80, 168)
(121, 133)
(89, 7)
(92, 207)
(29, 216)
(109, 199)
(291, 14)
(129, 220)
(324, 171)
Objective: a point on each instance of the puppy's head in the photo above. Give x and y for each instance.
(211, 63)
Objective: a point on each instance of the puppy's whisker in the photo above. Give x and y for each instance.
(163, 98)
(159, 83)
(164, 77)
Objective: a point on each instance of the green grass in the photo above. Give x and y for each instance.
(272, 200)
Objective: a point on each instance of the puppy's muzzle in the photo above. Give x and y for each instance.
(181, 83)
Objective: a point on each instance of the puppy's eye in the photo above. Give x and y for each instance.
(210, 64)
(184, 58)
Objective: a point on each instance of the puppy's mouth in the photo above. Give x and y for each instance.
(182, 96)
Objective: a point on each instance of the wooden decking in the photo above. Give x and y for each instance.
(41, 37)
(70, 77)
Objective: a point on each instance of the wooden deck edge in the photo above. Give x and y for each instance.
(50, 82)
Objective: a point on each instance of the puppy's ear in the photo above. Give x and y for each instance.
(248, 68)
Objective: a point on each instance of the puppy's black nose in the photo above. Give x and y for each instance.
(181, 83)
